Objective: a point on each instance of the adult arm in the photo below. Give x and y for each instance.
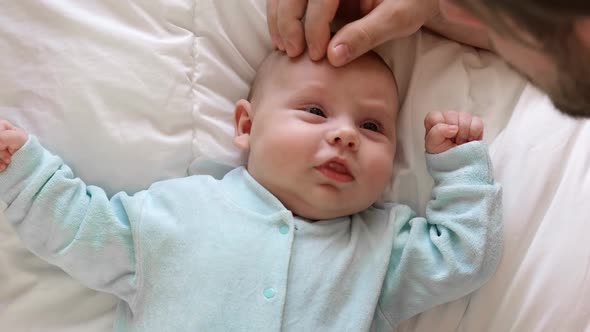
(466, 34)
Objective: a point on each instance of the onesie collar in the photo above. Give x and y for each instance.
(241, 188)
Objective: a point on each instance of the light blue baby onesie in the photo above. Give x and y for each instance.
(201, 254)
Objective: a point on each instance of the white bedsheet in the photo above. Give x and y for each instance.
(129, 92)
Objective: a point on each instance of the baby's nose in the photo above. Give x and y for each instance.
(345, 137)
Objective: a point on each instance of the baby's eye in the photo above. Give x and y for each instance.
(370, 126)
(316, 110)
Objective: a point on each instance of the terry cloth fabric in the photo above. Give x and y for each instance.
(201, 254)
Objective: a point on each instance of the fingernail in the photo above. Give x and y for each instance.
(313, 52)
(342, 53)
(286, 46)
(277, 42)
(281, 44)
(290, 48)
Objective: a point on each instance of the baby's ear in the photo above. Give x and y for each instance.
(243, 124)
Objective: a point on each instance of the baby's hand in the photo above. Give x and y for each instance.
(11, 139)
(445, 130)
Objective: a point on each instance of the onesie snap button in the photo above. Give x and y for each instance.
(284, 229)
(269, 293)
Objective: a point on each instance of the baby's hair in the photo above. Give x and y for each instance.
(262, 73)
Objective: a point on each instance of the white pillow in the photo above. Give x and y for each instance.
(106, 85)
(132, 92)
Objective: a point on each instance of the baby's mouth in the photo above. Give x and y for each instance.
(336, 170)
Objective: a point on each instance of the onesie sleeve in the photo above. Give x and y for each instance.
(69, 224)
(456, 248)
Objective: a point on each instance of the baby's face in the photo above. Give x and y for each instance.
(322, 139)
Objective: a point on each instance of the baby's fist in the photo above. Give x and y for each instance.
(11, 139)
(445, 130)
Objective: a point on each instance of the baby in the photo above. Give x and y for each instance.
(294, 240)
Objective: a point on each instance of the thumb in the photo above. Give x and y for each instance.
(388, 20)
(358, 37)
(438, 139)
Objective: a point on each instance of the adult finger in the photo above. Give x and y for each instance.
(389, 19)
(290, 27)
(318, 17)
(272, 8)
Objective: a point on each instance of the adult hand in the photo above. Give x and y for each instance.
(295, 24)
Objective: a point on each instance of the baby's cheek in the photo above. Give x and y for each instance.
(381, 172)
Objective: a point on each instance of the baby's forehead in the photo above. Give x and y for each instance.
(280, 66)
(280, 71)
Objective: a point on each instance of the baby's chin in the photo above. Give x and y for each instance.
(317, 213)
(322, 202)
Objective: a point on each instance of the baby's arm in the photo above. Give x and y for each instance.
(63, 221)
(456, 248)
